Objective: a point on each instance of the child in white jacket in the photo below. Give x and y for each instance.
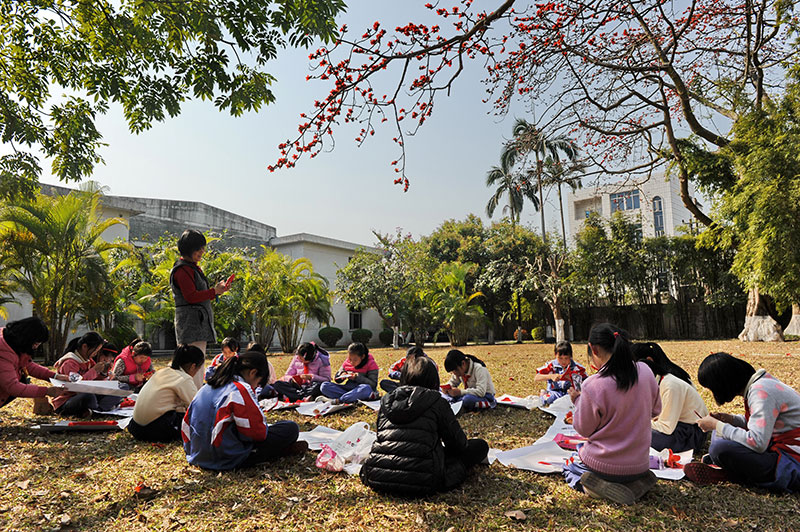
(478, 392)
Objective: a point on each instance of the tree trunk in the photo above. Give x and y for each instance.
(758, 325)
(519, 319)
(794, 326)
(539, 166)
(561, 210)
(558, 319)
(395, 336)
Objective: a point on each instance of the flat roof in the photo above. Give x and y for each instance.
(303, 238)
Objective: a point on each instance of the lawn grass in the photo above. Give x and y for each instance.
(86, 481)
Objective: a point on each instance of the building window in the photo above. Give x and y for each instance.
(355, 320)
(624, 201)
(658, 216)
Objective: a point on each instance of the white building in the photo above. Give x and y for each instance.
(657, 201)
(149, 218)
(328, 255)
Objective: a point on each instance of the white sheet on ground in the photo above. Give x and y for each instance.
(544, 457)
(268, 405)
(121, 412)
(79, 426)
(562, 404)
(320, 409)
(546, 450)
(375, 405)
(558, 427)
(530, 402)
(95, 387)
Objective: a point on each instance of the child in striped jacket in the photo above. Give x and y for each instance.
(224, 427)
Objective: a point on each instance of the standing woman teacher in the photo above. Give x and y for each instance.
(194, 316)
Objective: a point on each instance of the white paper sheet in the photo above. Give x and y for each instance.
(544, 457)
(456, 407)
(268, 405)
(64, 425)
(121, 412)
(318, 436)
(95, 387)
(529, 403)
(375, 405)
(320, 409)
(562, 404)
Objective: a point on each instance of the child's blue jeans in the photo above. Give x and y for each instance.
(349, 392)
(473, 402)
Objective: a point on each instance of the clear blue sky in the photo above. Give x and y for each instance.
(209, 156)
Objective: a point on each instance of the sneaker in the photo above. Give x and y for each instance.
(642, 485)
(322, 399)
(706, 459)
(335, 401)
(298, 447)
(597, 488)
(704, 474)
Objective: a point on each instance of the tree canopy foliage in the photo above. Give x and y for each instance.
(64, 63)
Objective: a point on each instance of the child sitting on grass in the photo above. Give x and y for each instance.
(561, 373)
(762, 447)
(164, 398)
(390, 384)
(84, 356)
(133, 366)
(675, 428)
(230, 347)
(310, 367)
(478, 392)
(613, 410)
(421, 448)
(357, 379)
(224, 427)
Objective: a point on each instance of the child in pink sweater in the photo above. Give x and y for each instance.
(613, 410)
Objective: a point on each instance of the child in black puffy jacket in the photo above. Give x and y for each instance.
(421, 448)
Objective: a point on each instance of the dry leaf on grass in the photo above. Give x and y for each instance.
(516, 515)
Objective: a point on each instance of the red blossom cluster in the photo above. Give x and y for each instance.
(622, 76)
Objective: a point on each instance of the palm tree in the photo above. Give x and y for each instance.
(58, 255)
(452, 305)
(558, 173)
(508, 184)
(289, 295)
(529, 139)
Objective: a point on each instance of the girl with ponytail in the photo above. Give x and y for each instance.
(675, 427)
(84, 356)
(224, 427)
(163, 400)
(613, 410)
(469, 370)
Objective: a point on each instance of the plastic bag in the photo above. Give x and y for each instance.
(351, 447)
(329, 460)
